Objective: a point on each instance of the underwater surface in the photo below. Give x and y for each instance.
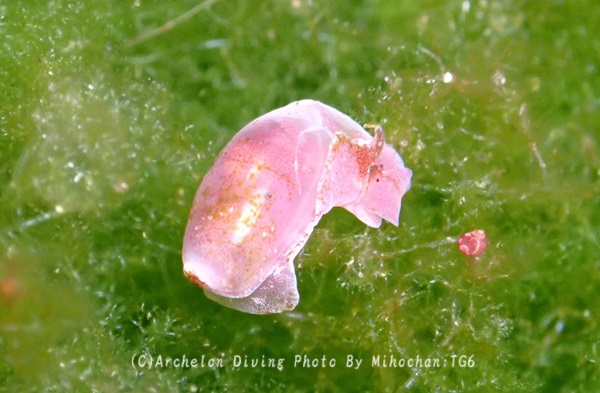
(112, 112)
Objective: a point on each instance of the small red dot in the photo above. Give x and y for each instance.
(9, 289)
(473, 243)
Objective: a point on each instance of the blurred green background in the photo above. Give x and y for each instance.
(112, 111)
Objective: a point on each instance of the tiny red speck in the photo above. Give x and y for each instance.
(473, 243)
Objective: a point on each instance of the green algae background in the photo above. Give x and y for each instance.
(111, 112)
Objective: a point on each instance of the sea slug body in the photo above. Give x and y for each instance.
(270, 186)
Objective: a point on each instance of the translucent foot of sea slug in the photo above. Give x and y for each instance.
(270, 186)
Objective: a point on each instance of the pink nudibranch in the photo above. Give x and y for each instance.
(270, 186)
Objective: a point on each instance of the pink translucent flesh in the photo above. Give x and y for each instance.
(341, 182)
(276, 294)
(267, 190)
(248, 212)
(336, 121)
(388, 181)
(311, 149)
